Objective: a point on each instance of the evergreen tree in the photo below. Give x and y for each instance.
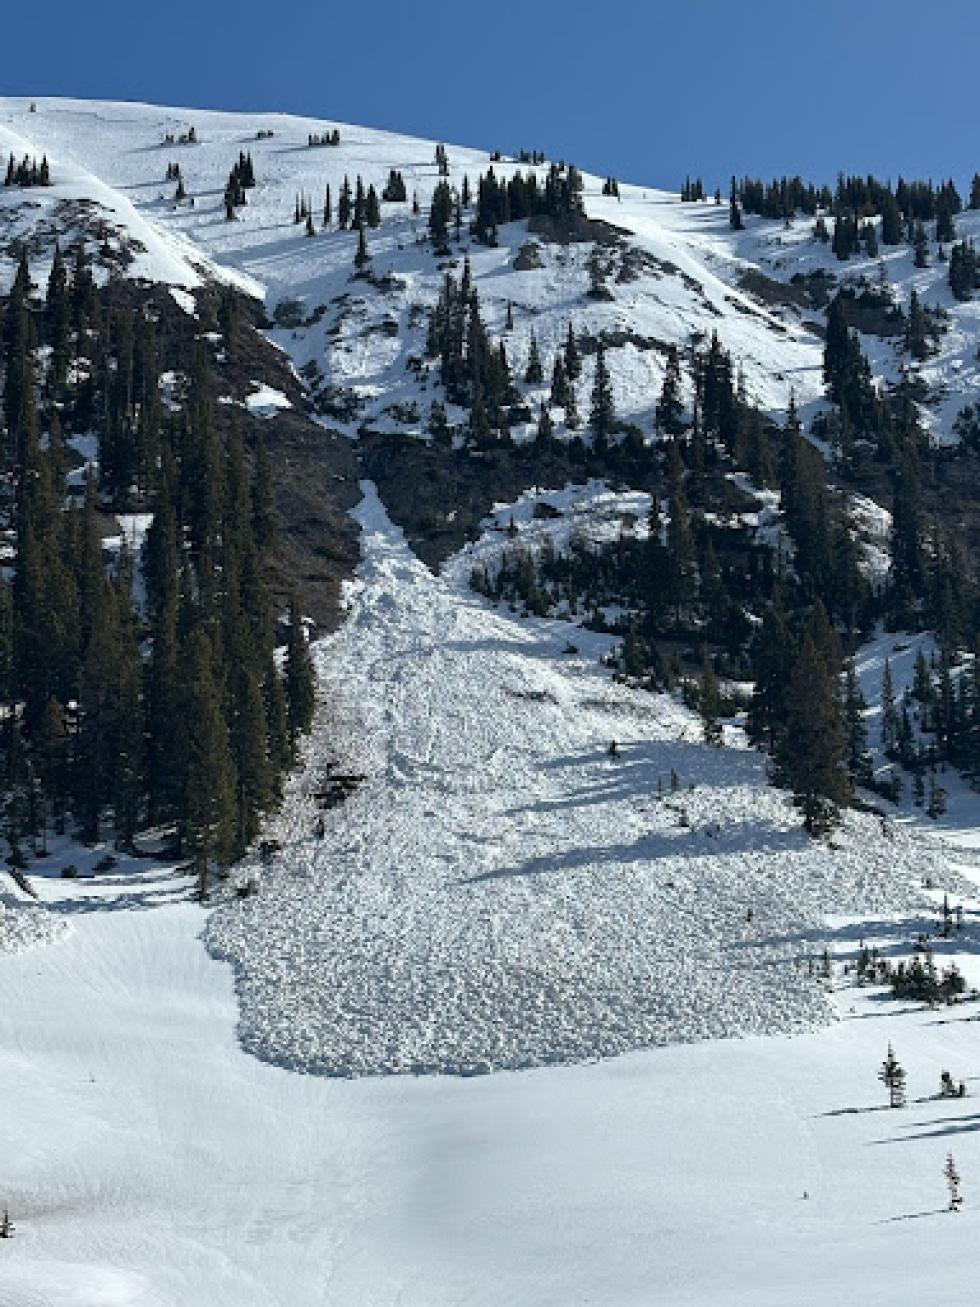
(534, 373)
(362, 258)
(209, 776)
(300, 679)
(811, 756)
(858, 758)
(920, 244)
(546, 430)
(602, 413)
(709, 703)
(573, 359)
(440, 216)
(889, 715)
(773, 658)
(892, 1076)
(571, 408)
(670, 408)
(680, 544)
(916, 332)
(559, 382)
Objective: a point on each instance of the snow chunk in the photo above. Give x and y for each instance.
(266, 402)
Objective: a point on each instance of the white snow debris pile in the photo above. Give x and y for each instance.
(500, 892)
(24, 925)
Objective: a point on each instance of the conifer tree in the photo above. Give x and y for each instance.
(129, 746)
(709, 703)
(916, 332)
(573, 359)
(892, 1076)
(209, 777)
(602, 413)
(546, 430)
(559, 383)
(952, 1178)
(362, 258)
(534, 373)
(920, 243)
(300, 680)
(670, 409)
(811, 756)
(572, 419)
(773, 656)
(889, 715)
(858, 757)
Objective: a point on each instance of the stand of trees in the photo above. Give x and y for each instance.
(126, 705)
(28, 172)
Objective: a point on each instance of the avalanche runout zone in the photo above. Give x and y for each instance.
(500, 893)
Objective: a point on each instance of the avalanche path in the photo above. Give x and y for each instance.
(500, 893)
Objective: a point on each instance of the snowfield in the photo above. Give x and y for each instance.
(500, 892)
(150, 1162)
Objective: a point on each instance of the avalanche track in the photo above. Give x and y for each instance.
(501, 893)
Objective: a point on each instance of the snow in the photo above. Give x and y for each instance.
(149, 1160)
(266, 402)
(184, 299)
(22, 925)
(133, 528)
(501, 893)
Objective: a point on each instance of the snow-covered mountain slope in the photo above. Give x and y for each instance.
(80, 204)
(499, 893)
(678, 274)
(150, 1162)
(664, 289)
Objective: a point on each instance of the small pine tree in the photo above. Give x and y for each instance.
(362, 258)
(892, 1076)
(709, 703)
(952, 1177)
(559, 382)
(573, 359)
(920, 244)
(889, 714)
(602, 413)
(209, 778)
(572, 419)
(546, 428)
(534, 373)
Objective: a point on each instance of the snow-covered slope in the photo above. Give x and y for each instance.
(679, 277)
(500, 892)
(150, 1162)
(664, 293)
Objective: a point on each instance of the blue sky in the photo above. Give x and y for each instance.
(645, 90)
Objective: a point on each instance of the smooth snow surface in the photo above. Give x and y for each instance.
(500, 892)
